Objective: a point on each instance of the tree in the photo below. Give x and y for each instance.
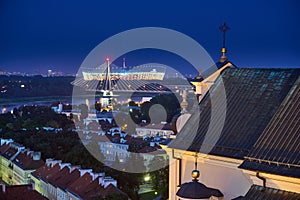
(98, 106)
(145, 107)
(136, 116)
(125, 122)
(130, 182)
(52, 123)
(169, 102)
(71, 117)
(117, 106)
(132, 103)
(94, 148)
(135, 163)
(16, 113)
(115, 196)
(160, 176)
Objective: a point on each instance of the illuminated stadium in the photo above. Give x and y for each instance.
(109, 77)
(151, 71)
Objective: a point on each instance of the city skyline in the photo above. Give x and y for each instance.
(38, 36)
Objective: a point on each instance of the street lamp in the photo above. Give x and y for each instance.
(196, 190)
(147, 178)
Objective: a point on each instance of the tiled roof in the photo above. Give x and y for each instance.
(157, 150)
(63, 178)
(38, 173)
(252, 98)
(87, 188)
(257, 193)
(215, 67)
(20, 192)
(26, 162)
(167, 126)
(4, 148)
(10, 152)
(111, 189)
(116, 138)
(46, 172)
(68, 179)
(80, 185)
(92, 191)
(277, 150)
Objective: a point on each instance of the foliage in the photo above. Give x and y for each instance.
(160, 177)
(112, 197)
(25, 126)
(123, 120)
(129, 182)
(148, 196)
(169, 102)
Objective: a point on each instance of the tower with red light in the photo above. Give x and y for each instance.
(107, 94)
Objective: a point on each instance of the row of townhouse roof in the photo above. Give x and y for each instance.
(53, 179)
(16, 162)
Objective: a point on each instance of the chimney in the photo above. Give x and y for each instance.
(28, 152)
(62, 165)
(83, 171)
(3, 187)
(36, 156)
(72, 168)
(6, 141)
(50, 162)
(96, 175)
(33, 185)
(106, 181)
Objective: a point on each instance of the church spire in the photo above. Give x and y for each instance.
(224, 28)
(108, 77)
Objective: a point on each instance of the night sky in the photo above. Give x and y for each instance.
(39, 35)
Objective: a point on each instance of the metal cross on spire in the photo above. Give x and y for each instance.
(224, 28)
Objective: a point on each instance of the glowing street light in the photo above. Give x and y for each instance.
(147, 178)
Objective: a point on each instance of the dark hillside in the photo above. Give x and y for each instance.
(33, 86)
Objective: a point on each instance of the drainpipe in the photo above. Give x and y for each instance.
(263, 179)
(180, 164)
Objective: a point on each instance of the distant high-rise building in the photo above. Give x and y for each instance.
(49, 72)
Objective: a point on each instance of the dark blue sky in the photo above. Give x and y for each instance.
(37, 35)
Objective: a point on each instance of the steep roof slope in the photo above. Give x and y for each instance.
(14, 192)
(277, 149)
(252, 98)
(26, 161)
(259, 193)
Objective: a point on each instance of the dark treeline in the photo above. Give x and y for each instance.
(32, 86)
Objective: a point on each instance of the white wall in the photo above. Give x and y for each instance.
(222, 175)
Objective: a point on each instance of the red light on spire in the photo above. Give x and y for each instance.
(107, 59)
